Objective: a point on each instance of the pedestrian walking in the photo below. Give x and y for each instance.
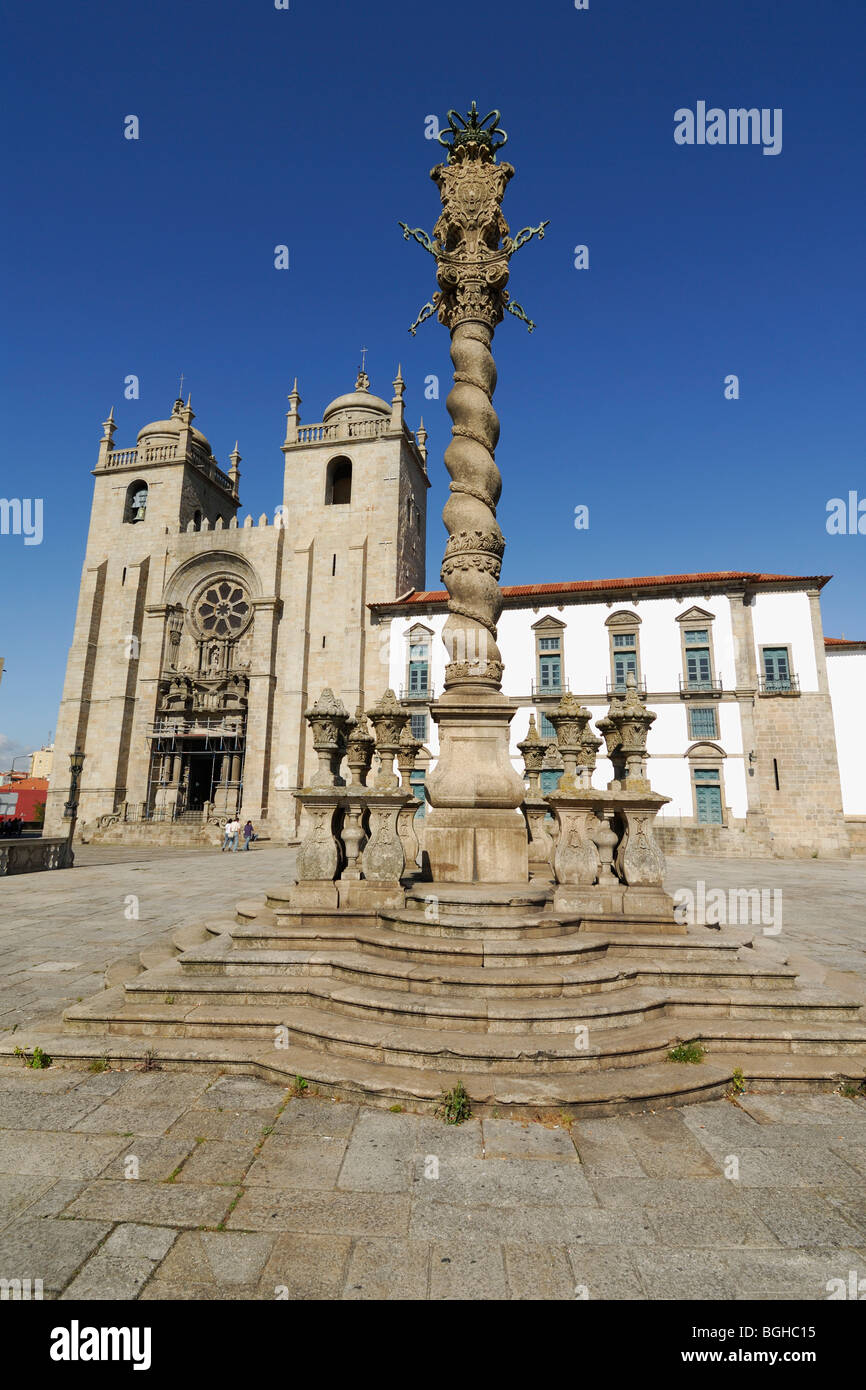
(249, 834)
(231, 834)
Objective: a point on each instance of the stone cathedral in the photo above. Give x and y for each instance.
(197, 640)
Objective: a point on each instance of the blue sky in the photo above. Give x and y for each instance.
(306, 127)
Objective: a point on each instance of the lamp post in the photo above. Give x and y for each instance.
(70, 810)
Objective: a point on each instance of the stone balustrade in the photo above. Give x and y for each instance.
(31, 856)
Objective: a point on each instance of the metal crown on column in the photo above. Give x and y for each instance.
(473, 833)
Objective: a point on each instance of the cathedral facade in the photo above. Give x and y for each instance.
(199, 642)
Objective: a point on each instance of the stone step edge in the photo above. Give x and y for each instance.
(587, 1094)
(583, 944)
(352, 1031)
(606, 1003)
(218, 953)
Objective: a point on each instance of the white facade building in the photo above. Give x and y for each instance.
(733, 665)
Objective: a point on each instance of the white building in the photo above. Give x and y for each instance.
(734, 666)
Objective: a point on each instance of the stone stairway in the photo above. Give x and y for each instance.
(530, 1011)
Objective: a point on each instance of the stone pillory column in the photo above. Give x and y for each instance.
(474, 832)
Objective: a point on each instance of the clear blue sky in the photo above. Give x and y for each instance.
(306, 127)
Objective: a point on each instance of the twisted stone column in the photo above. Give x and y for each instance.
(474, 833)
(473, 554)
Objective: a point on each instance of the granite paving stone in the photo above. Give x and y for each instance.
(56, 1155)
(305, 1209)
(604, 1272)
(160, 1204)
(308, 1160)
(538, 1272)
(471, 1270)
(306, 1267)
(217, 1257)
(49, 1248)
(385, 1269)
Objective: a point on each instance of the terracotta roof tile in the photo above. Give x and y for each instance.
(427, 597)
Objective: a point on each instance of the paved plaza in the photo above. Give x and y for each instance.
(165, 1184)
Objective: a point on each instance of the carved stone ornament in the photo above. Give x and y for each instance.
(576, 859)
(319, 853)
(534, 752)
(570, 719)
(359, 749)
(389, 719)
(639, 860)
(384, 857)
(329, 720)
(472, 249)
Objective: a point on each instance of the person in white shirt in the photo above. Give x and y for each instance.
(231, 835)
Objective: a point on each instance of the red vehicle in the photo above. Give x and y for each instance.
(23, 800)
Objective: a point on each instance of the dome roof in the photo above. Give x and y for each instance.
(361, 399)
(172, 427)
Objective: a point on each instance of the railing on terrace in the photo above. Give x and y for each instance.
(700, 685)
(781, 685)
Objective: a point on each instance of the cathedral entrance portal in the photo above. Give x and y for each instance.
(192, 776)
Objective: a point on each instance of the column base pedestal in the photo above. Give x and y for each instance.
(477, 846)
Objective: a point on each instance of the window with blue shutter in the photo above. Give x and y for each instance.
(708, 796)
(777, 668)
(702, 723)
(550, 779)
(547, 730)
(419, 727)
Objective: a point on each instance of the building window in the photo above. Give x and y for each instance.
(703, 722)
(624, 648)
(550, 779)
(419, 727)
(549, 656)
(196, 521)
(698, 666)
(708, 795)
(777, 669)
(546, 729)
(697, 652)
(417, 664)
(135, 507)
(338, 486)
(416, 784)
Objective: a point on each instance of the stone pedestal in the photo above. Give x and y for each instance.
(576, 859)
(541, 842)
(474, 833)
(319, 856)
(383, 860)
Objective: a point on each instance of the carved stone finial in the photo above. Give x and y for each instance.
(328, 718)
(388, 719)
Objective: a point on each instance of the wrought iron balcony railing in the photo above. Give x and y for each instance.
(779, 685)
(620, 687)
(418, 692)
(554, 689)
(700, 685)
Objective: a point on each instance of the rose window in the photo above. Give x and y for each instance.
(223, 609)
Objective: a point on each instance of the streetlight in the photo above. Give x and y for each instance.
(70, 810)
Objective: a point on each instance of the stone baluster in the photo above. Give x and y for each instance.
(570, 719)
(406, 757)
(389, 720)
(535, 807)
(329, 721)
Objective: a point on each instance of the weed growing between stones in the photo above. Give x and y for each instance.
(738, 1082)
(39, 1060)
(454, 1106)
(300, 1086)
(99, 1064)
(686, 1052)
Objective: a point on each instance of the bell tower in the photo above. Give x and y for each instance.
(355, 513)
(167, 483)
